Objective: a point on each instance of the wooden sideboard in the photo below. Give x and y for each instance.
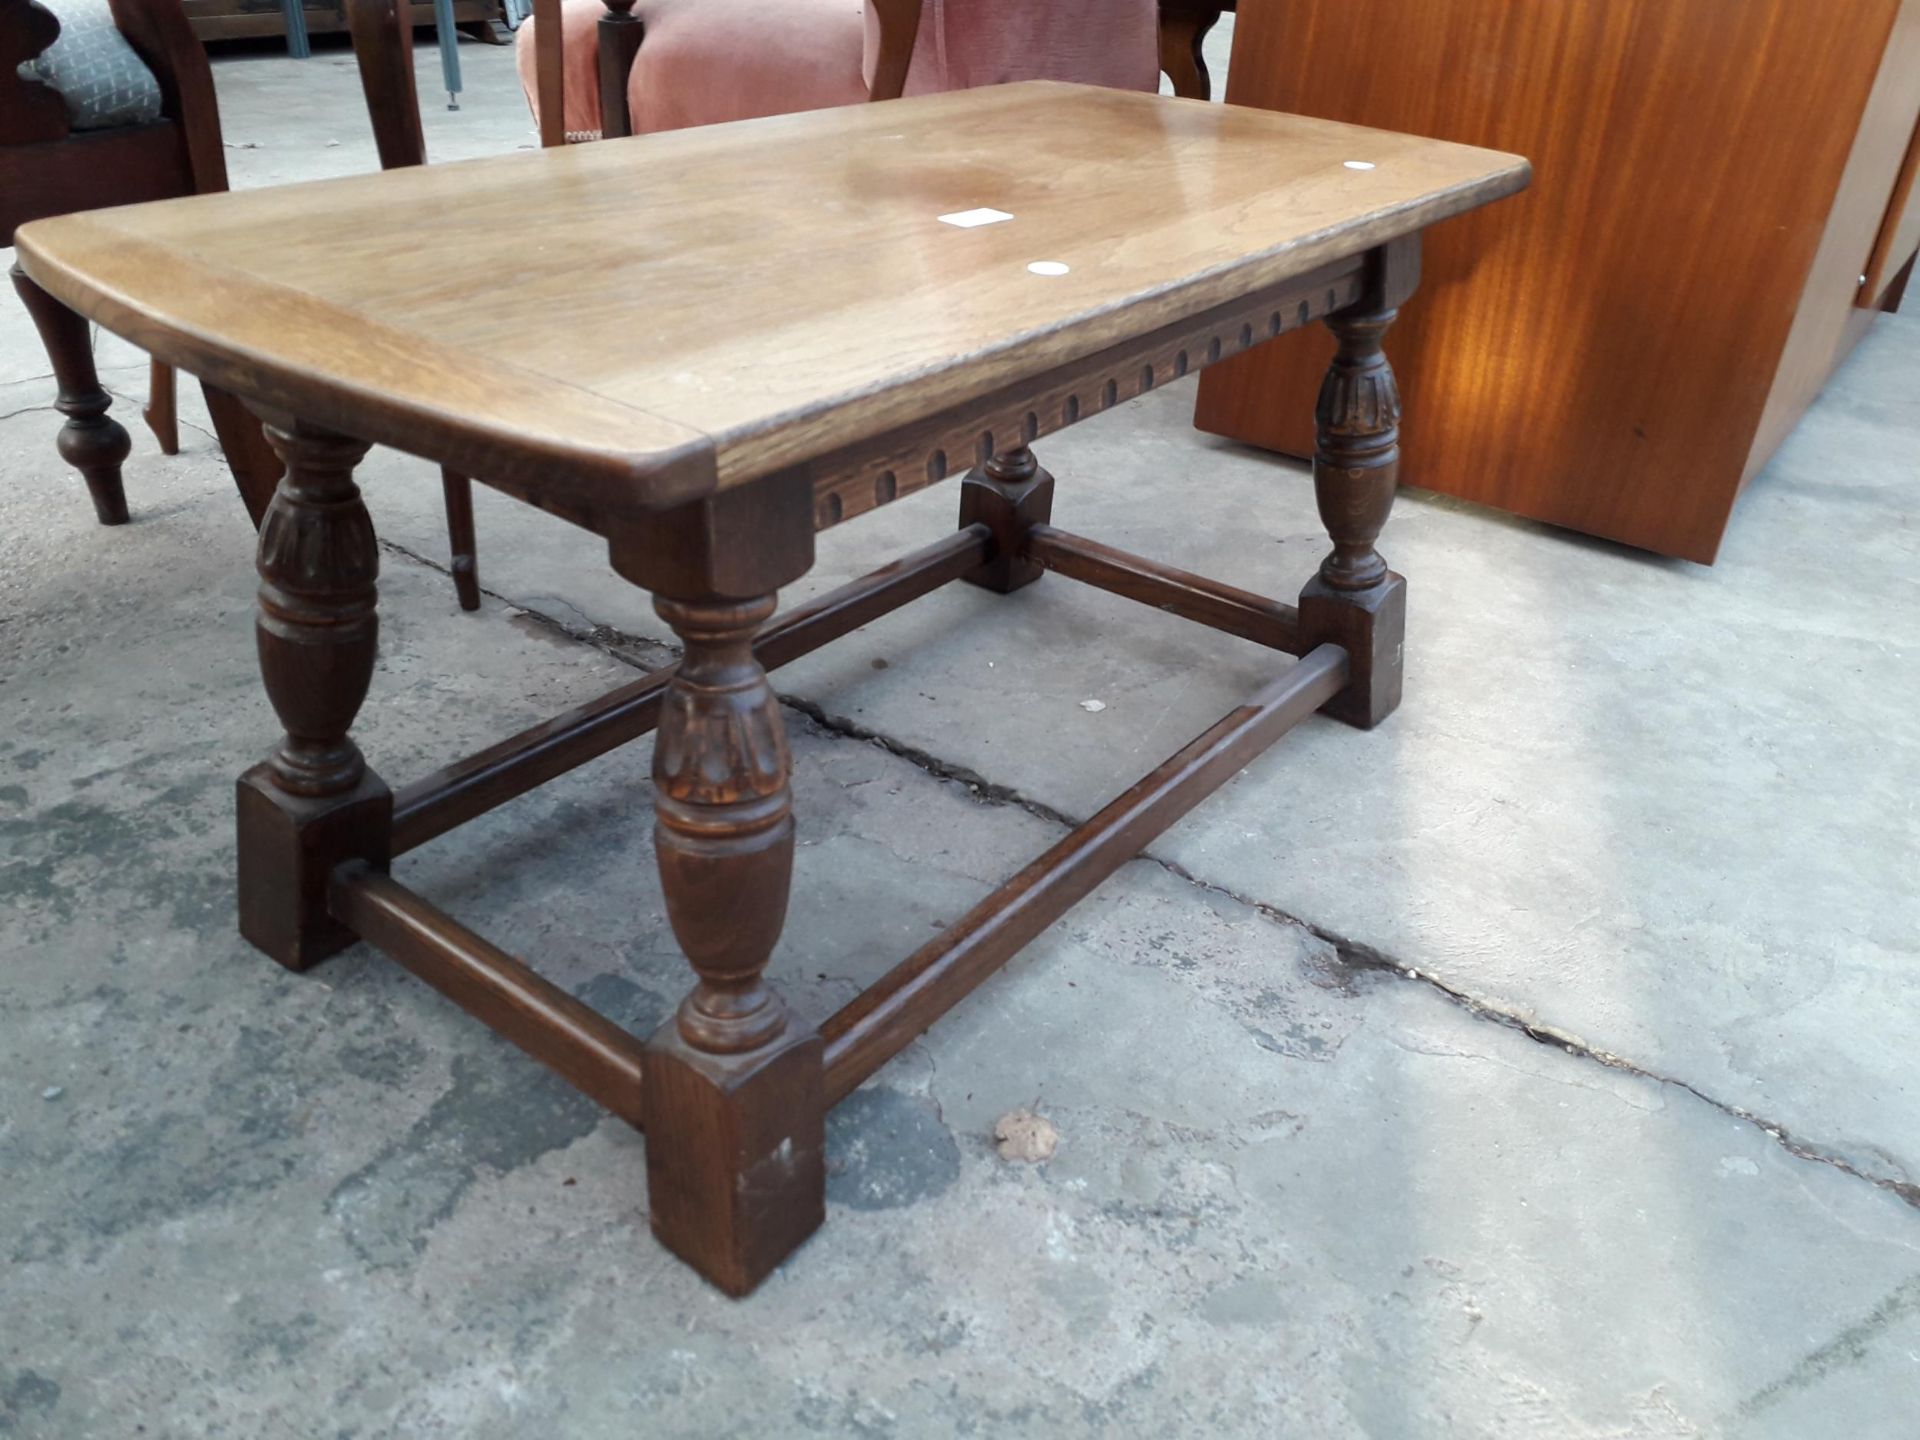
(1724, 199)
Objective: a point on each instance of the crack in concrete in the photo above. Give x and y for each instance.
(1357, 955)
(183, 421)
(120, 396)
(622, 645)
(1354, 954)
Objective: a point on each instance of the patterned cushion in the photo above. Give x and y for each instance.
(95, 70)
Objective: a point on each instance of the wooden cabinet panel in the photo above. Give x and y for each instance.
(1597, 353)
(1830, 321)
(1900, 235)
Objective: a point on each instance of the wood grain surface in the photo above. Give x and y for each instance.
(780, 288)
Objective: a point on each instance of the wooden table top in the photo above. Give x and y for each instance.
(661, 316)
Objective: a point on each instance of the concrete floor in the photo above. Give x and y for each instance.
(1541, 1065)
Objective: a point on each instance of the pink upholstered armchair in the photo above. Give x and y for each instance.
(637, 66)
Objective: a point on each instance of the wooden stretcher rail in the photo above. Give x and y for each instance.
(1180, 592)
(605, 1061)
(595, 1055)
(889, 1015)
(457, 793)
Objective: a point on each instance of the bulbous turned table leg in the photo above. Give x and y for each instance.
(314, 803)
(1010, 494)
(735, 1116)
(91, 441)
(1355, 601)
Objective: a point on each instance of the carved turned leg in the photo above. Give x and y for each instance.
(735, 1108)
(458, 490)
(735, 1118)
(90, 441)
(1355, 601)
(1010, 494)
(314, 803)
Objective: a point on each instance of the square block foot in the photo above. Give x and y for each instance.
(1371, 626)
(289, 845)
(1009, 508)
(736, 1152)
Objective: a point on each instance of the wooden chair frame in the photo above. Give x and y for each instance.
(1184, 26)
(383, 50)
(47, 168)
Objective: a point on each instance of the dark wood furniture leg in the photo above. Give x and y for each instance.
(91, 441)
(256, 466)
(618, 45)
(1183, 34)
(461, 541)
(736, 1171)
(383, 46)
(1355, 601)
(1010, 494)
(162, 413)
(314, 803)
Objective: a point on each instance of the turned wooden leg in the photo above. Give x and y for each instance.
(91, 441)
(618, 46)
(1355, 601)
(1010, 494)
(162, 412)
(460, 538)
(735, 1116)
(314, 803)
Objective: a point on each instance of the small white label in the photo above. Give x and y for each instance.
(967, 219)
(1048, 267)
(1359, 165)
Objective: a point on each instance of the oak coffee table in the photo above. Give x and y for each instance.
(705, 347)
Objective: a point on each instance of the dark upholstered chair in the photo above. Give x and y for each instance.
(120, 110)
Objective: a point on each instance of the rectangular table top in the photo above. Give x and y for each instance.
(661, 316)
